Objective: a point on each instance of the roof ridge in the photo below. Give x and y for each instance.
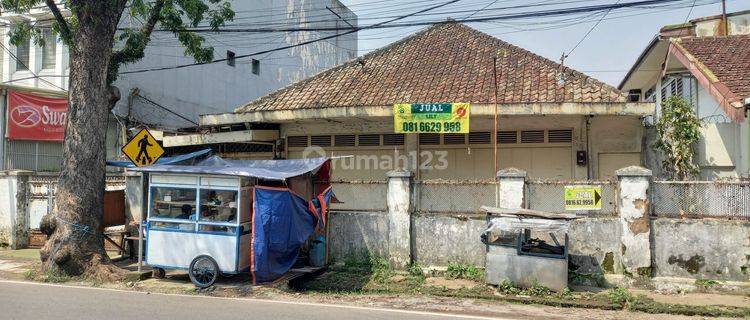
(545, 59)
(347, 63)
(445, 61)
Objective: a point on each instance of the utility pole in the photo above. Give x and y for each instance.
(724, 17)
(494, 127)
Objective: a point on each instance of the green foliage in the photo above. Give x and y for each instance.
(705, 284)
(176, 16)
(678, 130)
(415, 269)
(463, 271)
(619, 296)
(510, 288)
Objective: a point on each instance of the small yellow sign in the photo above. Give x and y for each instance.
(583, 197)
(431, 118)
(142, 149)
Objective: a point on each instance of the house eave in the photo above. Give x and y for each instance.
(519, 109)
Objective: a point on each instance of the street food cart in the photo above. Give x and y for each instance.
(232, 216)
(527, 247)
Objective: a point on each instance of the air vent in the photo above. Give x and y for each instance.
(480, 137)
(560, 136)
(533, 136)
(297, 141)
(320, 141)
(346, 140)
(393, 139)
(506, 137)
(429, 139)
(454, 138)
(369, 140)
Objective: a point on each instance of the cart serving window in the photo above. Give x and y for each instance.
(225, 216)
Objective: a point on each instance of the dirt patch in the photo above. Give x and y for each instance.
(698, 299)
(450, 283)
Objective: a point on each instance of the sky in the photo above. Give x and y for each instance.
(607, 53)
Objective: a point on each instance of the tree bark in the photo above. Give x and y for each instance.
(75, 244)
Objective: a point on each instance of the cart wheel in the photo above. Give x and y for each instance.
(203, 271)
(158, 273)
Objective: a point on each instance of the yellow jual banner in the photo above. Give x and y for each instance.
(431, 118)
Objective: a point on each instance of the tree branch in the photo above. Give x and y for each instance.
(62, 24)
(128, 53)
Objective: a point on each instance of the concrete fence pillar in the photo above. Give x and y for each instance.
(511, 192)
(633, 199)
(399, 217)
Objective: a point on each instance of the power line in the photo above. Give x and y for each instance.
(166, 109)
(385, 24)
(589, 32)
(298, 44)
(532, 14)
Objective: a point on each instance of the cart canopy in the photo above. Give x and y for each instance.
(261, 169)
(163, 160)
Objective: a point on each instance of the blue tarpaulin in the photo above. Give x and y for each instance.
(163, 160)
(263, 169)
(282, 222)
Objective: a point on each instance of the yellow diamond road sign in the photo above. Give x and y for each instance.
(142, 149)
(583, 197)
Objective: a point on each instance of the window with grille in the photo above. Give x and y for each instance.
(393, 139)
(296, 141)
(368, 140)
(507, 137)
(49, 49)
(230, 58)
(345, 140)
(532, 136)
(559, 136)
(672, 87)
(454, 138)
(429, 139)
(320, 141)
(22, 56)
(480, 137)
(255, 66)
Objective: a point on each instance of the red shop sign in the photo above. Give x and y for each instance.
(38, 118)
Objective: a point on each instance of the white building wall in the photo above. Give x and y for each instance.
(210, 88)
(219, 87)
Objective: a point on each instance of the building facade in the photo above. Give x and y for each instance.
(554, 122)
(171, 99)
(705, 61)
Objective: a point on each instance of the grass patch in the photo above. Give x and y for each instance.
(463, 271)
(644, 304)
(705, 284)
(48, 276)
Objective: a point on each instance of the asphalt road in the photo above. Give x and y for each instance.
(21, 300)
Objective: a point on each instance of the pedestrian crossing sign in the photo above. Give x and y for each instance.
(143, 149)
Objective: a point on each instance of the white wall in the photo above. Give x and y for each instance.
(8, 187)
(217, 87)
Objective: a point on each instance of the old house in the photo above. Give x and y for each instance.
(707, 62)
(554, 122)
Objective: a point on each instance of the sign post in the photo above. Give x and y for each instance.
(583, 198)
(142, 149)
(431, 118)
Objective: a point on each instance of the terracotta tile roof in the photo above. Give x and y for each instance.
(447, 62)
(726, 58)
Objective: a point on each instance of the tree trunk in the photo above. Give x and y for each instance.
(75, 244)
